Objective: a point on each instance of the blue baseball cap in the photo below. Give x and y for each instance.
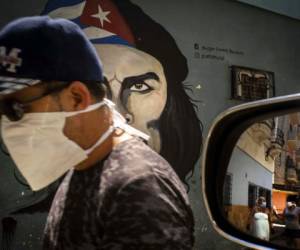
(36, 49)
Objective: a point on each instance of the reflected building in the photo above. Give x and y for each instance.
(255, 169)
(286, 176)
(265, 162)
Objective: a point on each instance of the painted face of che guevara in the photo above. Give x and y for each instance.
(137, 85)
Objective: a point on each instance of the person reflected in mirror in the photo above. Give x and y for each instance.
(292, 227)
(259, 220)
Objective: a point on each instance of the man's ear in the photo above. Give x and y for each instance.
(80, 95)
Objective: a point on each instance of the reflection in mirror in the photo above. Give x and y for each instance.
(262, 182)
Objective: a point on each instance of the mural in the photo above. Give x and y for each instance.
(217, 46)
(144, 74)
(144, 71)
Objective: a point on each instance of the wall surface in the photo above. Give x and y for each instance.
(213, 35)
(289, 8)
(279, 201)
(245, 170)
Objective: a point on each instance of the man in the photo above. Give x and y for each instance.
(291, 215)
(118, 193)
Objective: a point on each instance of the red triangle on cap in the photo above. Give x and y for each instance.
(105, 15)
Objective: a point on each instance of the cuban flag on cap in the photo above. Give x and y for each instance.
(100, 20)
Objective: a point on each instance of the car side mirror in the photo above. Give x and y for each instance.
(251, 173)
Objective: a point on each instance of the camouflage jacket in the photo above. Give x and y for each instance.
(132, 200)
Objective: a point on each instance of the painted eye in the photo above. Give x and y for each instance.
(140, 87)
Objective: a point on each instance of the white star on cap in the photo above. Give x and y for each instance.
(102, 15)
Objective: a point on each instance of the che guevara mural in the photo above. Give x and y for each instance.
(145, 74)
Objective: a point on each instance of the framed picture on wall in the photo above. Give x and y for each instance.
(250, 84)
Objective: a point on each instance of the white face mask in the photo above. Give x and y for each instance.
(40, 149)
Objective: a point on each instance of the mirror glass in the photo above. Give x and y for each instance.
(262, 182)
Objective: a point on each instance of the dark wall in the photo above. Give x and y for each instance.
(251, 36)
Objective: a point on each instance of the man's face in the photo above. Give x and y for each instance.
(137, 85)
(41, 103)
(71, 98)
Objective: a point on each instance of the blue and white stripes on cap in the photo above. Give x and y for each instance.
(9, 85)
(35, 49)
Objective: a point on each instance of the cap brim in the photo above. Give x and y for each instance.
(9, 85)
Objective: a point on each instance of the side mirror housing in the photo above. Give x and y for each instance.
(241, 145)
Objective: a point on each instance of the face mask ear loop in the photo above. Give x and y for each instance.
(91, 108)
(120, 122)
(102, 139)
(109, 130)
(134, 132)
